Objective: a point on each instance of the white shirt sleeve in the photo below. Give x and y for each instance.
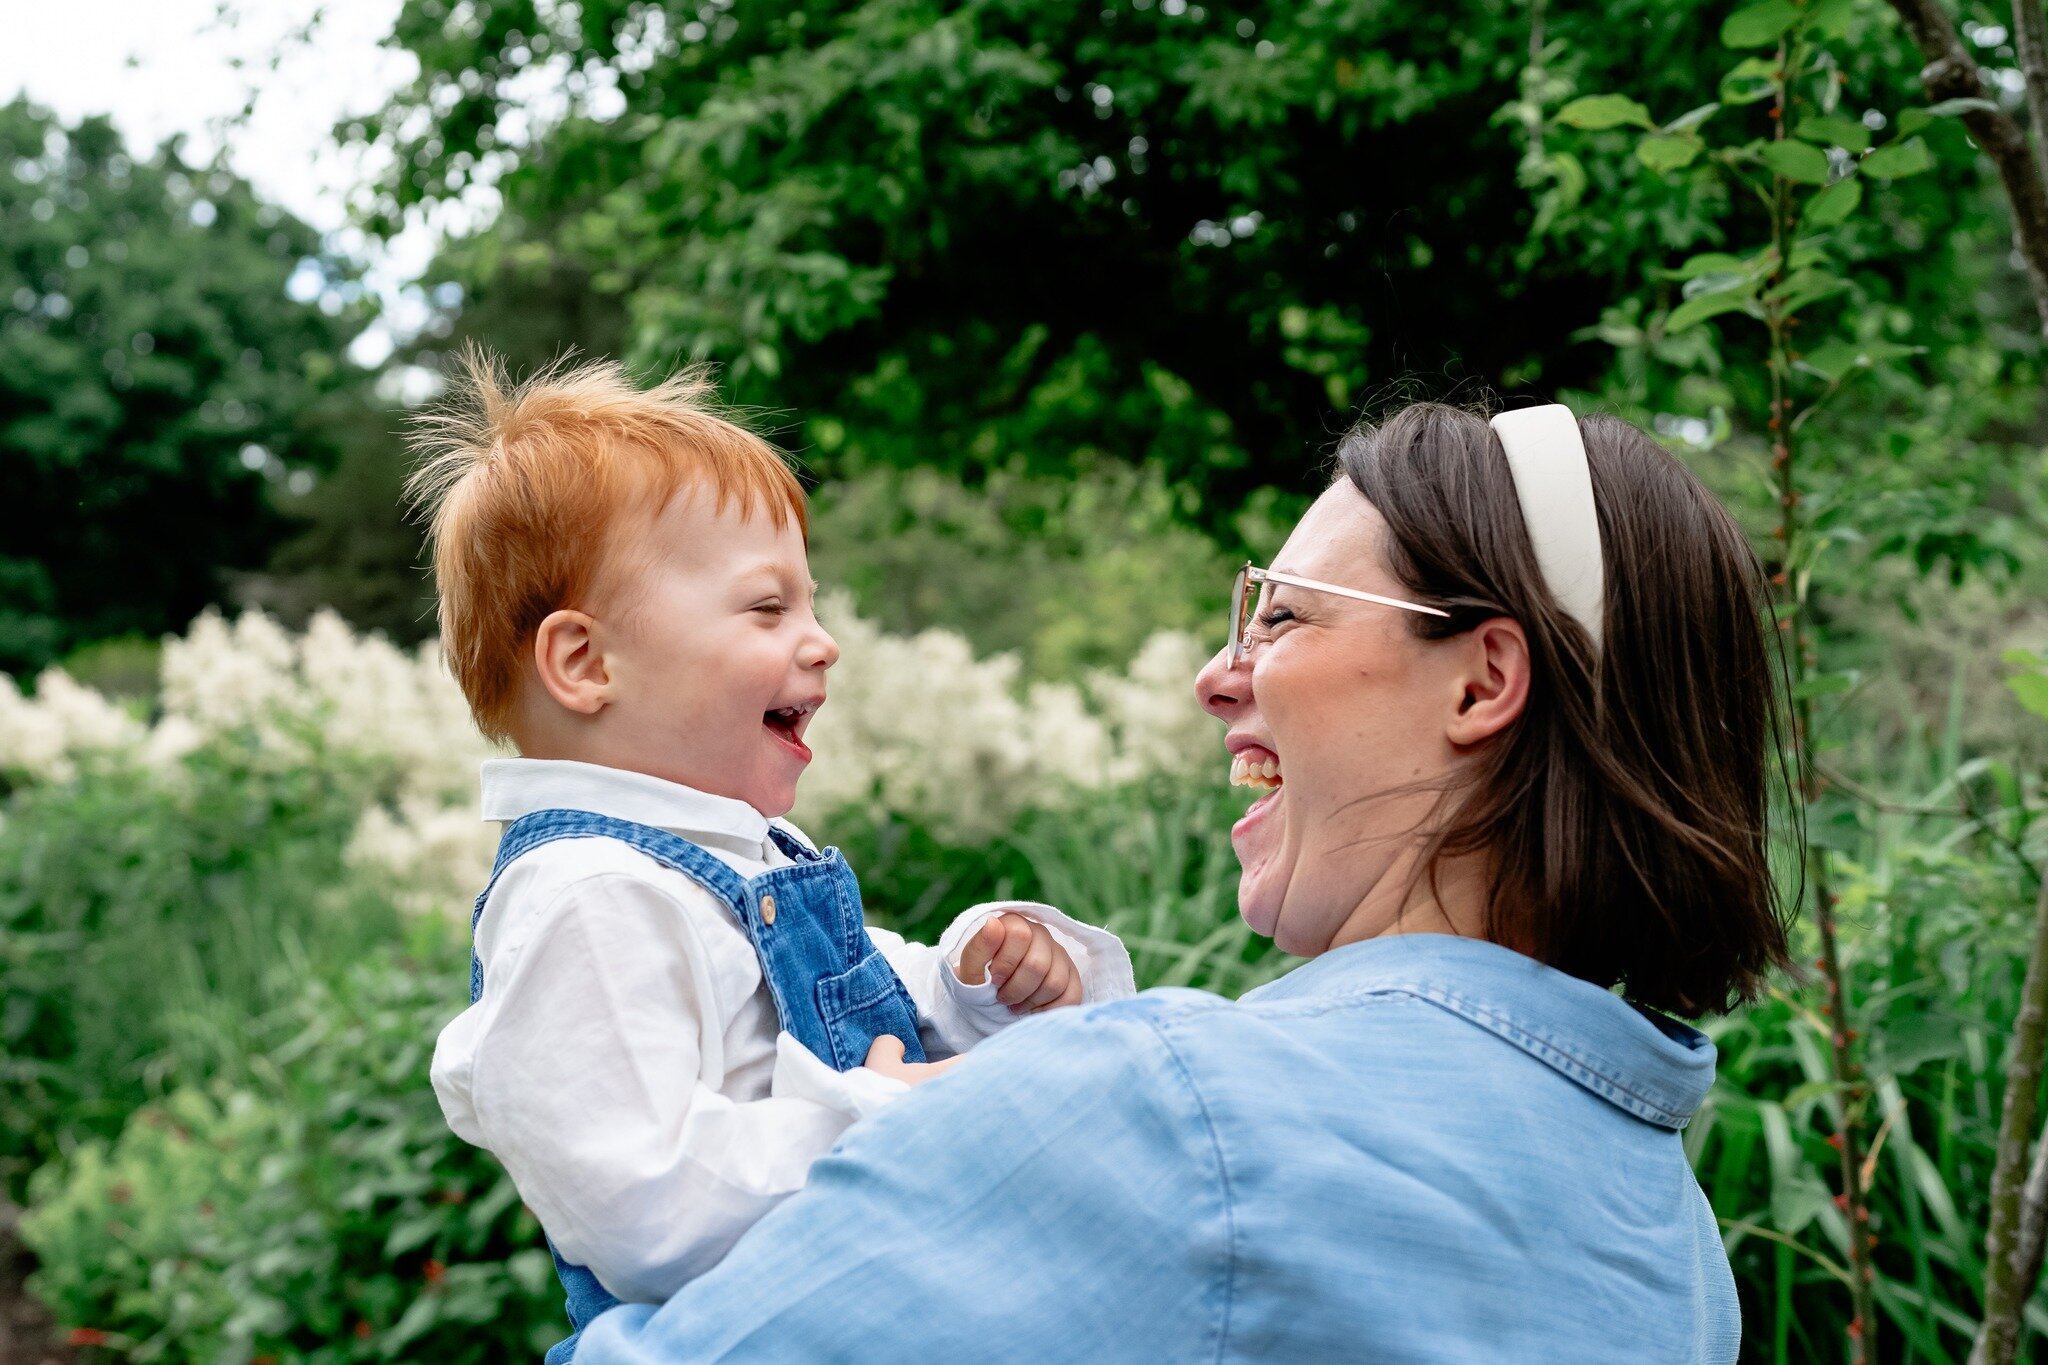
(953, 1015)
(583, 1071)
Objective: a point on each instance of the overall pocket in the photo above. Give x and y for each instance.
(861, 1004)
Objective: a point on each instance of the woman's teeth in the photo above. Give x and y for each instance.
(1263, 775)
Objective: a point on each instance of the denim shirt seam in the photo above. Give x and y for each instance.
(1222, 1180)
(1655, 1108)
(1649, 1107)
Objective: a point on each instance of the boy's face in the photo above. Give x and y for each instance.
(716, 658)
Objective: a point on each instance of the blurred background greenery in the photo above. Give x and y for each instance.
(1061, 309)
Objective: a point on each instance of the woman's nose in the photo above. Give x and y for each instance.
(1223, 687)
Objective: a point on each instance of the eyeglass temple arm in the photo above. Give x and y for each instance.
(1290, 580)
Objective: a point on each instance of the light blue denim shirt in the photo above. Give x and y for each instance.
(1418, 1148)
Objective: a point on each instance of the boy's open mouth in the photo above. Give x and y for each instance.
(788, 723)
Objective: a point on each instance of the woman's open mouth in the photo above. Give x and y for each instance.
(1259, 769)
(786, 725)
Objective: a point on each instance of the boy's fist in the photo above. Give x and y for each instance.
(1031, 970)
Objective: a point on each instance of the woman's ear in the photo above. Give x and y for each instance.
(1493, 681)
(571, 666)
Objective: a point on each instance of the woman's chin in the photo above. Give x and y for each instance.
(1256, 838)
(1260, 912)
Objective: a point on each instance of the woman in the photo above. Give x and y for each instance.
(1513, 690)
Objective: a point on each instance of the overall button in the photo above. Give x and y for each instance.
(767, 909)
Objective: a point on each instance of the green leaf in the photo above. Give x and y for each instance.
(1759, 25)
(1897, 160)
(1691, 119)
(1824, 685)
(1912, 121)
(1833, 204)
(1830, 361)
(1835, 130)
(1662, 152)
(1830, 18)
(1806, 286)
(1796, 161)
(1750, 80)
(1835, 359)
(2031, 684)
(2032, 690)
(1709, 263)
(1595, 112)
(1705, 306)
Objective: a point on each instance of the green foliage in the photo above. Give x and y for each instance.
(1892, 230)
(351, 546)
(993, 235)
(132, 896)
(149, 356)
(127, 666)
(309, 1205)
(1144, 862)
(1935, 924)
(2030, 683)
(1072, 574)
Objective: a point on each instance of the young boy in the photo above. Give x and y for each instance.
(672, 993)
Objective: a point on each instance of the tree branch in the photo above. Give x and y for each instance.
(1952, 73)
(2030, 39)
(2009, 1275)
(2033, 1239)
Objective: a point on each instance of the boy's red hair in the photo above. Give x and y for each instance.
(525, 487)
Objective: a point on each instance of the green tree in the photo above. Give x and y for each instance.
(995, 234)
(169, 345)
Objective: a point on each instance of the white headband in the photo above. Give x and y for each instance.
(1556, 490)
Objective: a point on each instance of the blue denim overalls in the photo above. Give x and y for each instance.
(833, 991)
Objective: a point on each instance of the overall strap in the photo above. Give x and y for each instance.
(793, 848)
(672, 851)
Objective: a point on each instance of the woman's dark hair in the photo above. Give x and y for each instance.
(1626, 810)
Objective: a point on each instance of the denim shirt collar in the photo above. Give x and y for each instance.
(1638, 1060)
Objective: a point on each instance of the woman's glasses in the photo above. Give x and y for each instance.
(1244, 603)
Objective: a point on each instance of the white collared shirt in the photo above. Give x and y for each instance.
(625, 1064)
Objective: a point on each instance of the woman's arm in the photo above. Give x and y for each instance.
(1054, 1197)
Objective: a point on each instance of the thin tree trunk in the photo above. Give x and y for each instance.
(2011, 1267)
(2019, 1196)
(1850, 1090)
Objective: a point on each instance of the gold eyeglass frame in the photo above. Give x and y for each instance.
(1240, 623)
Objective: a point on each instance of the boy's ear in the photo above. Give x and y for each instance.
(571, 666)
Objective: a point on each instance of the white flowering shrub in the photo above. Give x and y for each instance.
(916, 726)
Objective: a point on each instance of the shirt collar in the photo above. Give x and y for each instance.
(1636, 1059)
(513, 787)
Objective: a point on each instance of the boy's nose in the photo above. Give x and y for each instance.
(821, 650)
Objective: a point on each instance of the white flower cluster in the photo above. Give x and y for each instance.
(916, 726)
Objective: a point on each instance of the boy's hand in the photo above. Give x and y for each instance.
(1032, 971)
(885, 1055)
